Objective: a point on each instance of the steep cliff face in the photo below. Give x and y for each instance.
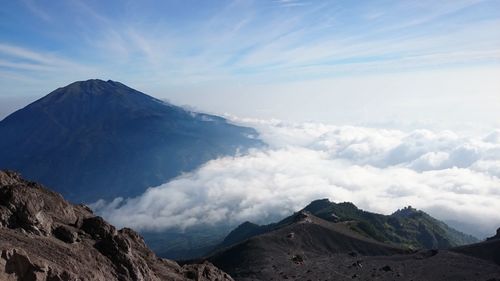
(43, 237)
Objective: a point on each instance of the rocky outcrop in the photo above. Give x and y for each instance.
(44, 237)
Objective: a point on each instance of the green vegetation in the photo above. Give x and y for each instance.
(407, 227)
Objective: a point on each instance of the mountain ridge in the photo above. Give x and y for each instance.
(306, 247)
(421, 232)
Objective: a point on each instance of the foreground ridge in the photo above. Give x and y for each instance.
(44, 237)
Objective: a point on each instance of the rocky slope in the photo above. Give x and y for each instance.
(43, 237)
(305, 247)
(99, 139)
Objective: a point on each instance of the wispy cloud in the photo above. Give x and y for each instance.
(23, 53)
(37, 10)
(30, 72)
(16, 57)
(246, 37)
(291, 3)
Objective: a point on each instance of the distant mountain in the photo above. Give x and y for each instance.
(44, 237)
(468, 227)
(408, 227)
(101, 139)
(306, 247)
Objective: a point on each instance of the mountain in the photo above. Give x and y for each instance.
(44, 237)
(408, 227)
(468, 227)
(101, 139)
(306, 247)
(416, 225)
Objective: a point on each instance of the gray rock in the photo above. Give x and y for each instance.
(43, 237)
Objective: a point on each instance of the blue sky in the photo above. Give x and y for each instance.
(336, 61)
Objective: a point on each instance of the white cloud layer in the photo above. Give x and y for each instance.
(451, 176)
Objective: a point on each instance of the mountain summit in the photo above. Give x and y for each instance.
(101, 139)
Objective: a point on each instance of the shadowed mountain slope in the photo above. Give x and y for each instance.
(305, 247)
(43, 237)
(95, 139)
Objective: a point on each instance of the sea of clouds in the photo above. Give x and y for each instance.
(451, 176)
